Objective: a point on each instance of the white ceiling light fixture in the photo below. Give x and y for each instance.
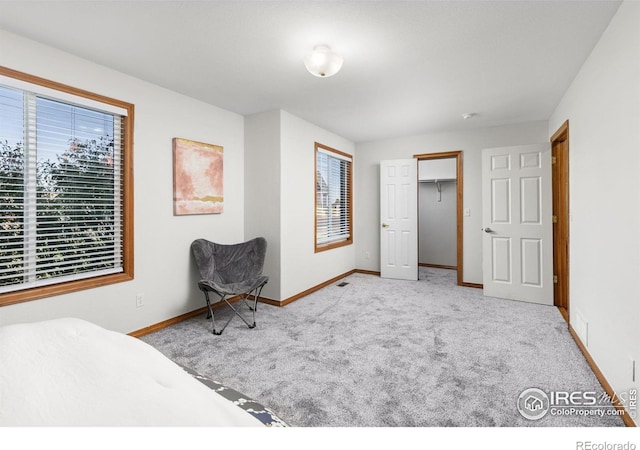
(322, 62)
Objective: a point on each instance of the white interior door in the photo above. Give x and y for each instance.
(517, 247)
(399, 219)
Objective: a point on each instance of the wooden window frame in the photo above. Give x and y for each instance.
(127, 274)
(345, 242)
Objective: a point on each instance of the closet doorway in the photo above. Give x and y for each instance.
(440, 211)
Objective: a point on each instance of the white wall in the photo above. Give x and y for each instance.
(471, 142)
(280, 199)
(262, 191)
(164, 269)
(302, 268)
(603, 109)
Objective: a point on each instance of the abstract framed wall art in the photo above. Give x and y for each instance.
(197, 178)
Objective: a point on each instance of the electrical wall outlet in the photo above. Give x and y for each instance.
(139, 300)
(366, 255)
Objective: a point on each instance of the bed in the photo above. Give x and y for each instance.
(70, 372)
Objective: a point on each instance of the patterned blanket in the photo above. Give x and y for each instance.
(257, 410)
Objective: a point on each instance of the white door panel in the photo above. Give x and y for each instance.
(517, 242)
(399, 219)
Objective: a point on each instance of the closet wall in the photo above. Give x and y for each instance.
(437, 196)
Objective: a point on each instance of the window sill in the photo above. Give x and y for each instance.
(332, 245)
(27, 295)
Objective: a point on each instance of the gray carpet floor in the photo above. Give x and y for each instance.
(390, 353)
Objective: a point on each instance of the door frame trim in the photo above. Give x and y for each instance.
(457, 154)
(562, 134)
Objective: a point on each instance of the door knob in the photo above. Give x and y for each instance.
(488, 230)
(385, 225)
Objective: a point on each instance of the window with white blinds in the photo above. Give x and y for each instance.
(62, 188)
(333, 198)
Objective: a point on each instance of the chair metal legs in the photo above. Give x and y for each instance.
(244, 297)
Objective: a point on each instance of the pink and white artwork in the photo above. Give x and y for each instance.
(197, 178)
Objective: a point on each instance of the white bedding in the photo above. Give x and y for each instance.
(69, 372)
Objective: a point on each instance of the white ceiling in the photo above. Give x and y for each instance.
(410, 67)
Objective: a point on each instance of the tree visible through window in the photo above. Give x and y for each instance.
(333, 212)
(62, 194)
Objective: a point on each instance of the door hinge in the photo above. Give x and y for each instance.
(554, 219)
(553, 160)
(555, 278)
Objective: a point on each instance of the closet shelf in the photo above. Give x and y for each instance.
(434, 180)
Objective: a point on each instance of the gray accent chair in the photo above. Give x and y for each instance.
(231, 270)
